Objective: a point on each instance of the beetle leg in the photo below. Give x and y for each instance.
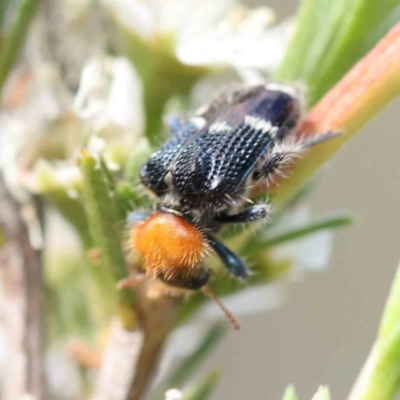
(231, 261)
(251, 214)
(283, 154)
(286, 153)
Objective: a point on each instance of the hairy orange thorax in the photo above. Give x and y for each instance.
(167, 241)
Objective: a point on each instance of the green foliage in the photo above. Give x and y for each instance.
(203, 389)
(391, 315)
(290, 393)
(4, 4)
(186, 368)
(331, 36)
(322, 224)
(70, 303)
(322, 394)
(11, 45)
(380, 377)
(70, 207)
(106, 230)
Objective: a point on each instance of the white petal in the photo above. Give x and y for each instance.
(247, 42)
(149, 18)
(135, 15)
(173, 394)
(125, 106)
(110, 93)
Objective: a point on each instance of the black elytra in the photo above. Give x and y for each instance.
(208, 165)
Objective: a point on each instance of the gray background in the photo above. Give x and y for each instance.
(323, 333)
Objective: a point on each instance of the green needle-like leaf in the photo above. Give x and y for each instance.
(52, 189)
(12, 45)
(305, 47)
(203, 389)
(380, 376)
(345, 51)
(290, 393)
(179, 377)
(3, 7)
(322, 394)
(323, 224)
(391, 315)
(105, 228)
(331, 37)
(361, 94)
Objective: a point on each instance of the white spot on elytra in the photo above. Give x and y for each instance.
(290, 90)
(199, 122)
(258, 123)
(215, 183)
(221, 126)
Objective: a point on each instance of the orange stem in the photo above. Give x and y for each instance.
(364, 91)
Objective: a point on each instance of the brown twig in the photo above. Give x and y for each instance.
(157, 317)
(119, 363)
(132, 357)
(21, 272)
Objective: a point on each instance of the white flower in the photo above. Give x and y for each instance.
(207, 32)
(34, 99)
(110, 93)
(109, 106)
(173, 394)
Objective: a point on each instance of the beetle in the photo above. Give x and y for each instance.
(202, 176)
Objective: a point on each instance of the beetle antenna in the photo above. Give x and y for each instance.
(233, 322)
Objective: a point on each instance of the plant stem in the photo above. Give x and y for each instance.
(355, 100)
(157, 318)
(380, 377)
(132, 356)
(119, 363)
(21, 272)
(14, 43)
(107, 234)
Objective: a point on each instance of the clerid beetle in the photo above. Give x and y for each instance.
(202, 176)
